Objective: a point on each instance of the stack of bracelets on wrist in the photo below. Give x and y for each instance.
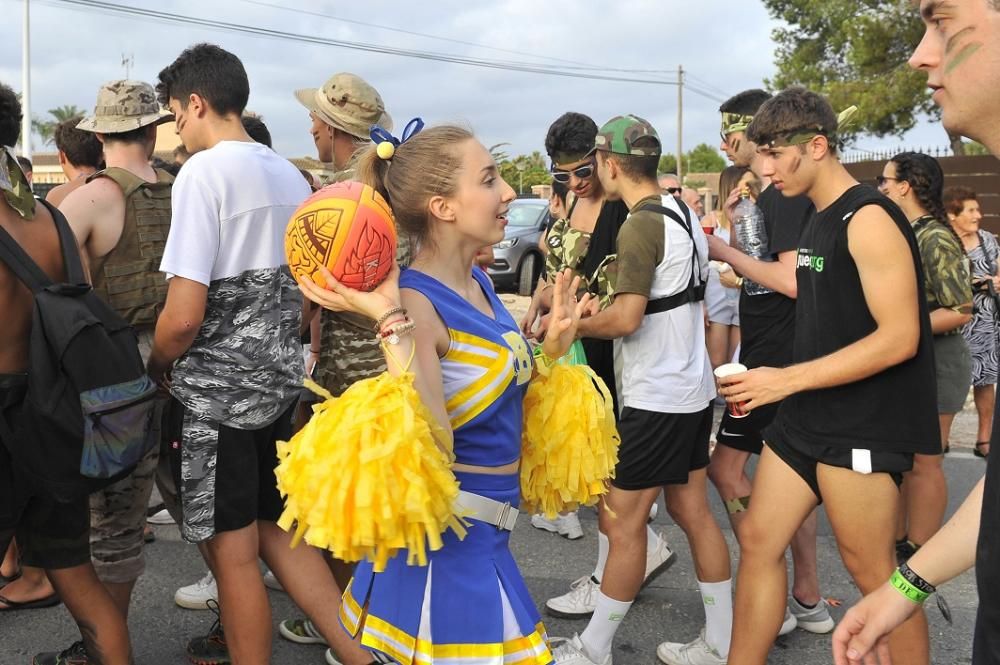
(906, 581)
(393, 324)
(388, 315)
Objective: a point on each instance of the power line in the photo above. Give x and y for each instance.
(366, 24)
(567, 64)
(359, 46)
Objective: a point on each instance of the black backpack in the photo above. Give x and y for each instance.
(87, 416)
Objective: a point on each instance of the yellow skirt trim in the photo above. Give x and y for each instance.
(405, 648)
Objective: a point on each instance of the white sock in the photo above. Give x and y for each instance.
(652, 538)
(600, 632)
(718, 600)
(603, 546)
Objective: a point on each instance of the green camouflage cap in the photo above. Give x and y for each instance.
(123, 106)
(619, 134)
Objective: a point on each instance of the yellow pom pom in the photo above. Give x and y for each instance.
(385, 150)
(569, 443)
(369, 475)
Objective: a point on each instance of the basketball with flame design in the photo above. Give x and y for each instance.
(347, 227)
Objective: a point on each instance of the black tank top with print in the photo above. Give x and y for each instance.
(892, 411)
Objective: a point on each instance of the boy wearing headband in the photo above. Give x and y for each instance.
(767, 329)
(859, 400)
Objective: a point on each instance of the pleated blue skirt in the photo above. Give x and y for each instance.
(468, 606)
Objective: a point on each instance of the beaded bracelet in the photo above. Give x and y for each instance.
(391, 334)
(385, 317)
(907, 588)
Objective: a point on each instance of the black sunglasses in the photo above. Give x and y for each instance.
(881, 180)
(672, 190)
(581, 172)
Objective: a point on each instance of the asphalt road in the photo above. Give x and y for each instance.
(668, 609)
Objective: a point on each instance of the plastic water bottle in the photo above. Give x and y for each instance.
(751, 237)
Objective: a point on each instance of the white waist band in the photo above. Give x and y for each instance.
(502, 515)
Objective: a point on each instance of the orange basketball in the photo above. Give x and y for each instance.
(347, 227)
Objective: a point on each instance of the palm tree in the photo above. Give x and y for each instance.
(46, 129)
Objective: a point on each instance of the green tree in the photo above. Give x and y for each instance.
(668, 163)
(524, 171)
(855, 52)
(703, 158)
(975, 148)
(46, 129)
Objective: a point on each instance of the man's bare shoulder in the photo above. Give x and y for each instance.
(98, 190)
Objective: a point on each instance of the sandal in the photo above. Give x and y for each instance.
(4, 580)
(978, 450)
(41, 603)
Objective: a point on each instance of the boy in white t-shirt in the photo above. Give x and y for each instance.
(227, 348)
(667, 388)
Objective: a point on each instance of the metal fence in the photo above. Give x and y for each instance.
(979, 172)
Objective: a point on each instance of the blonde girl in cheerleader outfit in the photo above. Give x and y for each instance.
(471, 367)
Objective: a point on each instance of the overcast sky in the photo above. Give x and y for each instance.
(725, 45)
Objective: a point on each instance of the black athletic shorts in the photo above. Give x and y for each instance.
(745, 433)
(661, 448)
(245, 488)
(50, 534)
(803, 457)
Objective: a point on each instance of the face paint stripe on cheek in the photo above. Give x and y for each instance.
(967, 52)
(953, 40)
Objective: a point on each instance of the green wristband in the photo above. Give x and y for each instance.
(905, 587)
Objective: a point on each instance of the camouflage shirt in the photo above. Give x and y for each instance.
(946, 267)
(568, 248)
(348, 351)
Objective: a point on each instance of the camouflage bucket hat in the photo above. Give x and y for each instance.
(619, 135)
(346, 102)
(123, 106)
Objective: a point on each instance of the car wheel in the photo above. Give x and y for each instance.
(527, 275)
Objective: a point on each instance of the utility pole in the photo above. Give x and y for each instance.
(26, 84)
(680, 123)
(128, 61)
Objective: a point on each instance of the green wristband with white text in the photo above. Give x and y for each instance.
(905, 587)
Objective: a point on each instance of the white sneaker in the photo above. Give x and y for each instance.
(571, 652)
(271, 582)
(816, 620)
(196, 596)
(160, 518)
(659, 558)
(693, 653)
(579, 602)
(567, 526)
(789, 624)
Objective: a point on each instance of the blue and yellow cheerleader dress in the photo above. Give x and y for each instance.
(470, 605)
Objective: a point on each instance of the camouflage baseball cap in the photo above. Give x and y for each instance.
(348, 103)
(619, 135)
(123, 106)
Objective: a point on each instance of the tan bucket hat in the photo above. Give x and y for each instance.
(123, 106)
(348, 103)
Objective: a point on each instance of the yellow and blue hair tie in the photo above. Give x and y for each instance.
(386, 143)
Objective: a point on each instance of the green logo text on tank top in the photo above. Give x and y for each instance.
(809, 260)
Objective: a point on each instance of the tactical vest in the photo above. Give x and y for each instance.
(128, 277)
